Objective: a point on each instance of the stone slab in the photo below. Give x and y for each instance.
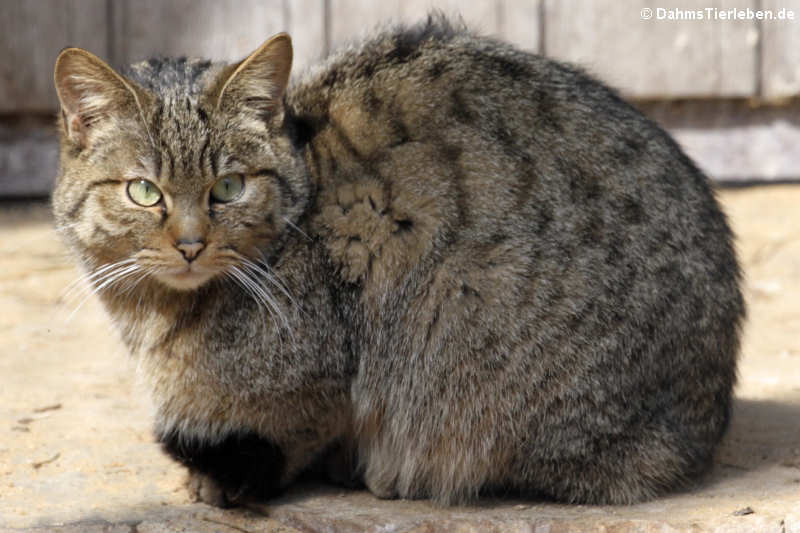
(76, 452)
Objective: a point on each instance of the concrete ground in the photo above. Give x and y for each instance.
(76, 453)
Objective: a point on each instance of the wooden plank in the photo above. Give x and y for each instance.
(31, 35)
(737, 50)
(780, 49)
(350, 20)
(213, 29)
(731, 140)
(483, 17)
(514, 20)
(305, 22)
(658, 57)
(28, 156)
(520, 23)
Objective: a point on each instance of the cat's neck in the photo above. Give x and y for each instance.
(153, 312)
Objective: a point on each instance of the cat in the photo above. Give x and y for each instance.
(434, 265)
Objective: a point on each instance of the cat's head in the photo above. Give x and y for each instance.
(179, 170)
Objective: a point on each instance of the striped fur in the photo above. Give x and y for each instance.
(455, 268)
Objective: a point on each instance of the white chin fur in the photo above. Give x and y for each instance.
(187, 281)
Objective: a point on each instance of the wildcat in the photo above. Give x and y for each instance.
(434, 264)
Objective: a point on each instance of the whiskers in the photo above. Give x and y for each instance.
(296, 228)
(256, 278)
(120, 274)
(260, 281)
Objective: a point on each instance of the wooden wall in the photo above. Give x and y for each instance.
(647, 59)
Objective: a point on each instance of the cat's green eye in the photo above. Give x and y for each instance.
(228, 188)
(144, 193)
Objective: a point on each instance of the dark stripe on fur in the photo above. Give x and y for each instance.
(213, 159)
(85, 196)
(348, 144)
(300, 129)
(159, 157)
(171, 162)
(283, 183)
(201, 158)
(78, 205)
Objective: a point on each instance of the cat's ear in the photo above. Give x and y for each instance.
(259, 81)
(91, 94)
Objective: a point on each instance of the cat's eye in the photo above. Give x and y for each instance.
(144, 193)
(228, 188)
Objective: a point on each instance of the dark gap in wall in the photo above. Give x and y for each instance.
(718, 112)
(759, 59)
(326, 7)
(542, 15)
(287, 16)
(110, 53)
(500, 13)
(747, 183)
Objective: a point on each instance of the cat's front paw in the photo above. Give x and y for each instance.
(376, 232)
(357, 223)
(242, 467)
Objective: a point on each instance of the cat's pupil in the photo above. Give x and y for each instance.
(227, 188)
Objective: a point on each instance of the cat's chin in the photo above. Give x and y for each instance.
(185, 281)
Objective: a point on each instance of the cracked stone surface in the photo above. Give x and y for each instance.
(77, 455)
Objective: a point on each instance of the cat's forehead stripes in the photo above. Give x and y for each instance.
(180, 123)
(183, 138)
(179, 76)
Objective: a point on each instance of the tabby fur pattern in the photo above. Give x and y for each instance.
(454, 268)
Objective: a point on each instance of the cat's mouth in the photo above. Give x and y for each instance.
(177, 273)
(186, 279)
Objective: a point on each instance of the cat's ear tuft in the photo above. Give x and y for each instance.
(90, 93)
(260, 80)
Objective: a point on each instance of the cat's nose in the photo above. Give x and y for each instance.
(190, 248)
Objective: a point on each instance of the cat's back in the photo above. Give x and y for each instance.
(506, 215)
(424, 83)
(435, 79)
(504, 143)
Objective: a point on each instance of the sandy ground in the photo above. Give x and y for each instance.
(76, 453)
